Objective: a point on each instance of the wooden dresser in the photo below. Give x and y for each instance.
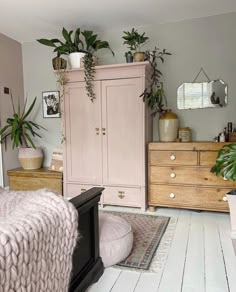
(179, 176)
(23, 180)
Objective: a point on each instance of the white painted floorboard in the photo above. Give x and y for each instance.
(200, 258)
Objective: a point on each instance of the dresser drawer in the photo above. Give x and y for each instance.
(187, 176)
(122, 196)
(208, 158)
(189, 197)
(173, 158)
(174, 175)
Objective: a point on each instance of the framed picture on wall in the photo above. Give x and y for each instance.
(51, 104)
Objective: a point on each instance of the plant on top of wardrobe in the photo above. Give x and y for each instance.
(88, 44)
(135, 40)
(154, 94)
(92, 45)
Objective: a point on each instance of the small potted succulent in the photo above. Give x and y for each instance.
(80, 50)
(129, 57)
(225, 166)
(135, 41)
(21, 132)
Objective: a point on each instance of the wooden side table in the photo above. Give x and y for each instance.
(24, 180)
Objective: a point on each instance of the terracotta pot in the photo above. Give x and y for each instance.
(168, 126)
(59, 63)
(30, 158)
(139, 56)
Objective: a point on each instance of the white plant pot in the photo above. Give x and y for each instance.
(30, 158)
(76, 60)
(232, 208)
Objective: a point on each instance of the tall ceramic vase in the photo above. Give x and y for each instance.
(168, 126)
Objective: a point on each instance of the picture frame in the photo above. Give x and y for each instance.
(51, 104)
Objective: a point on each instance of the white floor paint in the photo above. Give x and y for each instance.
(200, 258)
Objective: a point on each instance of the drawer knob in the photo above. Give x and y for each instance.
(121, 195)
(225, 199)
(172, 157)
(172, 175)
(172, 195)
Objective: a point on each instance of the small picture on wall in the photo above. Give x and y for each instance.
(51, 104)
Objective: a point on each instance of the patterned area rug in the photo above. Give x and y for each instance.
(148, 231)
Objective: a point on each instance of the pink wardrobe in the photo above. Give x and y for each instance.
(106, 140)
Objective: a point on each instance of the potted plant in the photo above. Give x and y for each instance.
(81, 52)
(21, 132)
(154, 96)
(135, 41)
(129, 57)
(225, 166)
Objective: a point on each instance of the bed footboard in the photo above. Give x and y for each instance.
(87, 264)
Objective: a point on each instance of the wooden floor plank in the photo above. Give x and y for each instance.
(224, 227)
(148, 282)
(214, 263)
(173, 272)
(106, 282)
(194, 273)
(126, 282)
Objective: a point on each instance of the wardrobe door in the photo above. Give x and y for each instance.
(82, 128)
(123, 132)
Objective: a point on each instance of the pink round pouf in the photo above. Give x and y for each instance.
(116, 239)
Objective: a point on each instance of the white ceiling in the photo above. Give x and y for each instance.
(27, 20)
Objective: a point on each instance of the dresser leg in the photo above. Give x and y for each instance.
(152, 208)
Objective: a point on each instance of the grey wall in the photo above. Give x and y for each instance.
(207, 42)
(11, 76)
(39, 77)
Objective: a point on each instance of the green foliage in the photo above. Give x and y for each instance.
(89, 73)
(226, 162)
(20, 130)
(88, 44)
(154, 94)
(134, 39)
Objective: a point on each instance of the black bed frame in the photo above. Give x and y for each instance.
(87, 264)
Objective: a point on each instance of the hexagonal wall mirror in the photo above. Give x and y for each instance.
(212, 94)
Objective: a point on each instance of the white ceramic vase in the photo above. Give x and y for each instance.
(232, 207)
(30, 158)
(168, 126)
(76, 60)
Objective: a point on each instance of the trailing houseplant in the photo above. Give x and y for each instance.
(154, 94)
(81, 44)
(21, 131)
(135, 41)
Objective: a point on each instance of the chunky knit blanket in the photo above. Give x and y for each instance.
(38, 233)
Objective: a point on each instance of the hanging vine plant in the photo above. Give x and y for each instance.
(154, 94)
(72, 43)
(89, 73)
